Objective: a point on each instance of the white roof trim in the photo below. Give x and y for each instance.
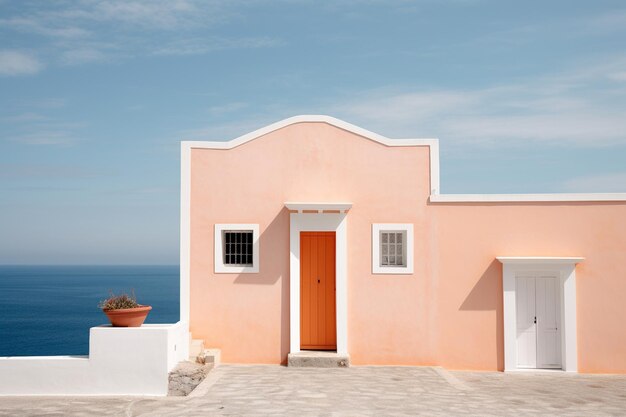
(319, 207)
(504, 198)
(309, 119)
(539, 259)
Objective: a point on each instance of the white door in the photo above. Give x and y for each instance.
(538, 324)
(526, 329)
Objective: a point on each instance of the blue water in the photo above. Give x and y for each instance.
(48, 310)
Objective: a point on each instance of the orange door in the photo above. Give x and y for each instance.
(318, 329)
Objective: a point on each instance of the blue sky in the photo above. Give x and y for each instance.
(96, 95)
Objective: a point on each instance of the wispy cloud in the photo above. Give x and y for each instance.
(83, 55)
(40, 25)
(224, 131)
(608, 22)
(36, 129)
(199, 46)
(602, 183)
(44, 172)
(574, 108)
(88, 31)
(24, 117)
(53, 137)
(46, 103)
(618, 76)
(227, 108)
(154, 15)
(13, 62)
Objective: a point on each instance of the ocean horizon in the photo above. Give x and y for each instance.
(48, 309)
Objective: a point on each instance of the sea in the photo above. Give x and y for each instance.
(48, 310)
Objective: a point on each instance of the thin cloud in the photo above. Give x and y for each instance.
(224, 131)
(45, 138)
(618, 76)
(201, 46)
(575, 108)
(38, 26)
(151, 15)
(601, 183)
(82, 56)
(44, 131)
(13, 62)
(46, 103)
(227, 108)
(608, 22)
(27, 172)
(24, 117)
(90, 31)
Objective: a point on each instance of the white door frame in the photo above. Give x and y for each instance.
(318, 222)
(536, 277)
(565, 270)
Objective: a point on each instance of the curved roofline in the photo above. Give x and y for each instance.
(311, 118)
(432, 143)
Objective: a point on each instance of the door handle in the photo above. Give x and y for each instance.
(318, 280)
(535, 322)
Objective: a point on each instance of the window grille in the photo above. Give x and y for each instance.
(392, 248)
(238, 247)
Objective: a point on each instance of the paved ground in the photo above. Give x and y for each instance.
(357, 391)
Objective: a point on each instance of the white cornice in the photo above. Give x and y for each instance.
(544, 260)
(319, 207)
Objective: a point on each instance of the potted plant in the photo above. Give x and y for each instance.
(124, 311)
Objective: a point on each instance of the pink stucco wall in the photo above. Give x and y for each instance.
(469, 278)
(449, 312)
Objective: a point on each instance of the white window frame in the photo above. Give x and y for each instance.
(377, 228)
(220, 267)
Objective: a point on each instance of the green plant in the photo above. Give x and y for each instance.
(118, 302)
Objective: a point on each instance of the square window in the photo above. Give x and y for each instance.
(236, 248)
(392, 248)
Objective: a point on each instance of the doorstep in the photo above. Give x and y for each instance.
(318, 359)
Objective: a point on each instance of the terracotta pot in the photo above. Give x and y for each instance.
(128, 317)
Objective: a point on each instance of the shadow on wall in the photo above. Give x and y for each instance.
(274, 270)
(486, 296)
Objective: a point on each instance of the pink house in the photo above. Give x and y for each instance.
(313, 234)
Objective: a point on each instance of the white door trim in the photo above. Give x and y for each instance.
(318, 222)
(565, 270)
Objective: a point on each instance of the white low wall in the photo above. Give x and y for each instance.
(121, 361)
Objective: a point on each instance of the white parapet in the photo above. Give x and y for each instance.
(121, 361)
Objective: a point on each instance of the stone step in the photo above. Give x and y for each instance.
(186, 376)
(209, 356)
(318, 359)
(196, 347)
